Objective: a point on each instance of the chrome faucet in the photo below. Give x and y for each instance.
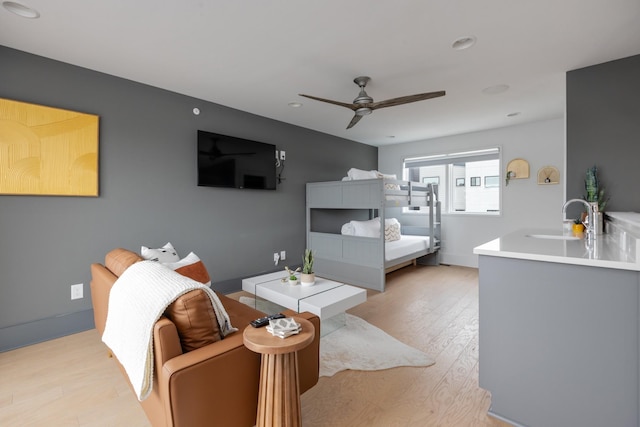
(589, 224)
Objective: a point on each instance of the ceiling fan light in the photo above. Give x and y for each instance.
(363, 100)
(20, 9)
(464, 43)
(364, 111)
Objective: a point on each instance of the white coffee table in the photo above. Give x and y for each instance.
(326, 299)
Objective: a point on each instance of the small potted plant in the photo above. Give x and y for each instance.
(308, 277)
(292, 278)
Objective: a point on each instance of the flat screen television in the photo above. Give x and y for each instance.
(227, 161)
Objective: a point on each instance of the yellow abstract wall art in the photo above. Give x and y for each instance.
(47, 151)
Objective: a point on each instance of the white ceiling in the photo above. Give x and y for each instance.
(258, 55)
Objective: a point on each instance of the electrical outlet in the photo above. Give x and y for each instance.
(283, 255)
(77, 291)
(276, 257)
(282, 155)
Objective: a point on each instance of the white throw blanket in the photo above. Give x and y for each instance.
(137, 300)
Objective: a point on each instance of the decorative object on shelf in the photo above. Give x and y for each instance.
(510, 175)
(517, 169)
(291, 276)
(308, 277)
(548, 175)
(578, 226)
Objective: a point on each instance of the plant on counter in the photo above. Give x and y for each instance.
(592, 187)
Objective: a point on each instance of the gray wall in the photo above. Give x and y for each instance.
(148, 195)
(603, 128)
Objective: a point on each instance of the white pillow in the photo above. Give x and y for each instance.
(392, 232)
(389, 186)
(391, 221)
(164, 254)
(370, 228)
(347, 229)
(354, 173)
(192, 267)
(386, 176)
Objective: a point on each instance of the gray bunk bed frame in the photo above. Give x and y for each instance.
(361, 260)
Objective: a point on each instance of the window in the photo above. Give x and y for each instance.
(431, 180)
(452, 170)
(491, 181)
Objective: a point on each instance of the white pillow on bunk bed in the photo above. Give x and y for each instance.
(392, 232)
(347, 229)
(371, 228)
(354, 173)
(387, 185)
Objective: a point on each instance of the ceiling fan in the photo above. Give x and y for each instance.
(364, 105)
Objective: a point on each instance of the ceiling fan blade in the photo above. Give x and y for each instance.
(353, 121)
(406, 99)
(342, 104)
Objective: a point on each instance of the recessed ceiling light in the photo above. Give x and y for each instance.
(464, 43)
(516, 113)
(494, 90)
(295, 104)
(20, 9)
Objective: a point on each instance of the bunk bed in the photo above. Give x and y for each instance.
(363, 258)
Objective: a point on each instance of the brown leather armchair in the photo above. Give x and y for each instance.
(215, 385)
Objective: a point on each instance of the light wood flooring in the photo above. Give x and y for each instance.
(71, 382)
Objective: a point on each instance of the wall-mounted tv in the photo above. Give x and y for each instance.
(227, 161)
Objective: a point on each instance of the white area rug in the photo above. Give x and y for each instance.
(358, 346)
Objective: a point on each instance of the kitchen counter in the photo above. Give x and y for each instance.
(609, 250)
(559, 328)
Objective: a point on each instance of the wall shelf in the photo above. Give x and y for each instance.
(548, 175)
(517, 169)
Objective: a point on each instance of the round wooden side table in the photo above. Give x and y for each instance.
(279, 396)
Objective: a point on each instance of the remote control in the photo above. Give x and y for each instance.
(264, 321)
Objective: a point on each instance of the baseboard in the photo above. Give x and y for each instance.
(461, 260)
(24, 334)
(227, 286)
(506, 420)
(12, 337)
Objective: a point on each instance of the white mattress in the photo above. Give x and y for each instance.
(405, 246)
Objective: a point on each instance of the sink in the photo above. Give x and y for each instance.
(553, 237)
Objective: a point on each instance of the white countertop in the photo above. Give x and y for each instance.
(606, 250)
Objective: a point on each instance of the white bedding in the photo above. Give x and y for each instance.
(405, 246)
